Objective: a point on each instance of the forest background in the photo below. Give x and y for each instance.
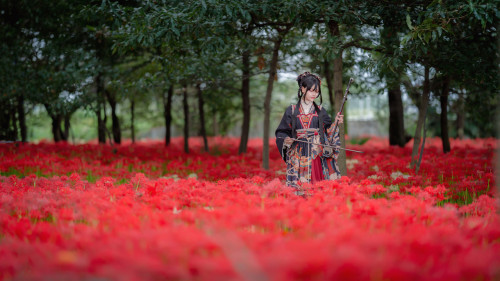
(111, 70)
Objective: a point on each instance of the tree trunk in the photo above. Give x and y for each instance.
(167, 113)
(132, 119)
(337, 88)
(329, 84)
(4, 120)
(417, 168)
(460, 123)
(56, 123)
(9, 131)
(13, 117)
(186, 119)
(101, 125)
(65, 132)
(422, 110)
(396, 117)
(267, 103)
(390, 40)
(21, 116)
(117, 134)
(345, 112)
(444, 115)
(215, 123)
(202, 117)
(56, 127)
(245, 95)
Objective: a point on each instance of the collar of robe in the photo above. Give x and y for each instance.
(306, 108)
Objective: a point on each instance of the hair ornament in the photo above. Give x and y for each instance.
(307, 73)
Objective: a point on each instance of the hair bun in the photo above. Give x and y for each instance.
(307, 73)
(299, 78)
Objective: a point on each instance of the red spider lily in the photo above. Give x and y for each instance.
(124, 216)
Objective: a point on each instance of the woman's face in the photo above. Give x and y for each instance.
(311, 95)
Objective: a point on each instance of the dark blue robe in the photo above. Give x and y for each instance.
(300, 156)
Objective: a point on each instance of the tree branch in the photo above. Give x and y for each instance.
(356, 43)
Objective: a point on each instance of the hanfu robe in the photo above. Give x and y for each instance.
(305, 162)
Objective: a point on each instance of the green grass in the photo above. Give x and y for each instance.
(358, 141)
(381, 195)
(27, 171)
(48, 218)
(90, 177)
(465, 197)
(11, 172)
(121, 181)
(460, 198)
(218, 150)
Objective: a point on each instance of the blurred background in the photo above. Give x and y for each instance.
(106, 71)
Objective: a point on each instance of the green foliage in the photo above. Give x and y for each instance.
(140, 48)
(359, 141)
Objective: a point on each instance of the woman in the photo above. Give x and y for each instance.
(305, 161)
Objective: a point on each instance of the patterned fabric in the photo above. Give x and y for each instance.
(300, 155)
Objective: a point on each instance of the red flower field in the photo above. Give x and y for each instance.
(146, 212)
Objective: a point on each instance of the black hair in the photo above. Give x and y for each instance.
(309, 81)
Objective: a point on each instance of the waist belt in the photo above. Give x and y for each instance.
(307, 133)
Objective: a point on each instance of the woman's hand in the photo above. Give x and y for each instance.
(288, 141)
(339, 118)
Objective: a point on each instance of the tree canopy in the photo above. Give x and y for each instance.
(108, 57)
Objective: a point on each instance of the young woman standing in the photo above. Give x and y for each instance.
(312, 126)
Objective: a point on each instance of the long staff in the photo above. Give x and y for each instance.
(325, 145)
(309, 155)
(327, 152)
(342, 106)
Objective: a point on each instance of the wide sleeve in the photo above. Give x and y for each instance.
(284, 130)
(335, 136)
